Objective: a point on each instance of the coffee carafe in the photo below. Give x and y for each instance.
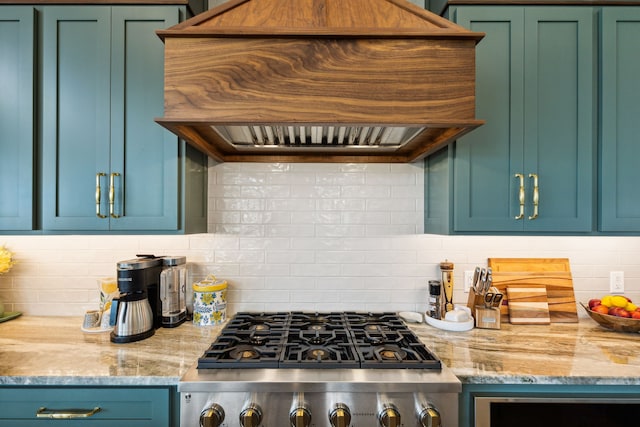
(134, 311)
(173, 290)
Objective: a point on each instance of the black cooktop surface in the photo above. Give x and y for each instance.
(348, 340)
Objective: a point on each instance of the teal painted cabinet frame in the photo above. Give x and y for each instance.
(118, 406)
(106, 164)
(620, 120)
(17, 116)
(535, 88)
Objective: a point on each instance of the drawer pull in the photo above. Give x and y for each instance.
(112, 195)
(520, 177)
(536, 195)
(66, 413)
(99, 194)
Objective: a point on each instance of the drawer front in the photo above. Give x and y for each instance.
(133, 406)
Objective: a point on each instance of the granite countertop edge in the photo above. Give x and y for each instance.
(79, 380)
(559, 354)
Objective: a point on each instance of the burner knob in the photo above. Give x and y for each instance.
(389, 416)
(213, 416)
(251, 416)
(340, 416)
(429, 416)
(300, 417)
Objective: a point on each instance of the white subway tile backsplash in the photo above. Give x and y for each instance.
(331, 230)
(290, 257)
(316, 270)
(305, 236)
(278, 243)
(300, 230)
(315, 191)
(291, 205)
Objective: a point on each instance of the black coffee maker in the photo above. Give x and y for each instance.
(136, 312)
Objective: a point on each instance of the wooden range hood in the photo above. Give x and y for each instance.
(319, 81)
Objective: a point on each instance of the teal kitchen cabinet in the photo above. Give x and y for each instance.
(531, 167)
(106, 165)
(17, 115)
(87, 406)
(620, 124)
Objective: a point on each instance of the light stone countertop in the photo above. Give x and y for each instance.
(54, 351)
(581, 353)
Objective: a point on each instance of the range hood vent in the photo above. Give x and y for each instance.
(319, 81)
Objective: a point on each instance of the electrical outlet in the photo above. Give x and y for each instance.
(616, 282)
(468, 280)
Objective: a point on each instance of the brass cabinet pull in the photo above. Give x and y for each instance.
(66, 413)
(99, 194)
(520, 195)
(536, 195)
(112, 194)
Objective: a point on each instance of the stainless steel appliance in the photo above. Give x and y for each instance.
(569, 409)
(173, 291)
(318, 369)
(134, 311)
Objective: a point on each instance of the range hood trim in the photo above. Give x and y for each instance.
(437, 135)
(432, 25)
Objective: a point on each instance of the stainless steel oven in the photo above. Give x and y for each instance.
(556, 410)
(318, 369)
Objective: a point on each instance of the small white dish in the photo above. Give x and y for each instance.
(448, 325)
(96, 329)
(411, 316)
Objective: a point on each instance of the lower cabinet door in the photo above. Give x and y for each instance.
(107, 406)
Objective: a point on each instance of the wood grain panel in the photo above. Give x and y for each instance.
(528, 306)
(319, 81)
(320, 63)
(552, 274)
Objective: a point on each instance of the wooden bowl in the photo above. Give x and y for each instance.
(615, 323)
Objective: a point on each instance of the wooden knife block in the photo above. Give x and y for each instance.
(474, 300)
(487, 318)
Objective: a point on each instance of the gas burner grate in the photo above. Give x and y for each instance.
(316, 321)
(318, 340)
(407, 352)
(243, 349)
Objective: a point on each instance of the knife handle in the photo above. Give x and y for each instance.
(520, 195)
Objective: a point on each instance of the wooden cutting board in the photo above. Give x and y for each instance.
(552, 274)
(528, 306)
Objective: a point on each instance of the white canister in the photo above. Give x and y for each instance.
(209, 302)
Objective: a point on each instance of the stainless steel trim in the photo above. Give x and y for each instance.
(320, 380)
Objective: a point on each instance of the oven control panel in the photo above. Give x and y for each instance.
(317, 409)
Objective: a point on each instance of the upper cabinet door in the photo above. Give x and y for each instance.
(485, 188)
(535, 90)
(620, 120)
(143, 153)
(76, 54)
(17, 113)
(560, 118)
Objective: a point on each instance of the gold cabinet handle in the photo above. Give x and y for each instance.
(99, 194)
(66, 413)
(536, 195)
(520, 195)
(112, 194)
